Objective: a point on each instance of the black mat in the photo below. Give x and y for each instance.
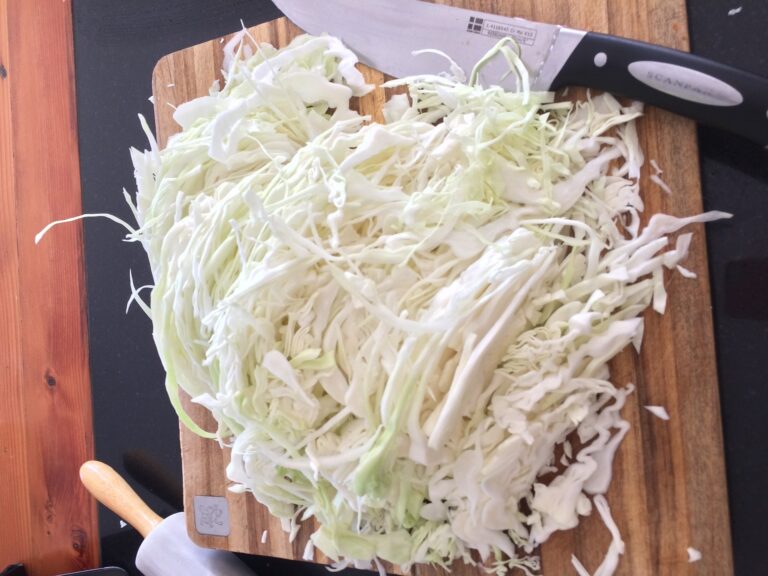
(116, 46)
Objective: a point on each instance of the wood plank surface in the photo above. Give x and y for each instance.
(49, 521)
(669, 489)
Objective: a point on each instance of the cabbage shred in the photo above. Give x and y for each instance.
(396, 325)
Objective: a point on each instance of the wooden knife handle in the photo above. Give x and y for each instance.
(109, 488)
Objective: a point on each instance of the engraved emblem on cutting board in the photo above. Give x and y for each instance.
(211, 515)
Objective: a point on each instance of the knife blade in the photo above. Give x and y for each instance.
(385, 33)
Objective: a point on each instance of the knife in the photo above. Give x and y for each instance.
(167, 549)
(385, 33)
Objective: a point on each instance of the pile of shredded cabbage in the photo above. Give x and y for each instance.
(397, 325)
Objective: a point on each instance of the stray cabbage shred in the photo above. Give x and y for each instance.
(397, 326)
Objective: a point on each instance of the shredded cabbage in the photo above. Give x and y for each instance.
(658, 411)
(397, 326)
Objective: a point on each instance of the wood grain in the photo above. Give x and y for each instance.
(669, 477)
(49, 521)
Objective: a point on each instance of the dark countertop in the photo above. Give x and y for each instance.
(136, 431)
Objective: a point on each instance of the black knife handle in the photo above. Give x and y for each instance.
(683, 83)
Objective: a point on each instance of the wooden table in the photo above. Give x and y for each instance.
(48, 520)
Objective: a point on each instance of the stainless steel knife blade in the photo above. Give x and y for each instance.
(384, 34)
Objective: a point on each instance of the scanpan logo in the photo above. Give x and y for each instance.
(658, 78)
(496, 29)
(685, 83)
(475, 25)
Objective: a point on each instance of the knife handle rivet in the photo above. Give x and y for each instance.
(601, 58)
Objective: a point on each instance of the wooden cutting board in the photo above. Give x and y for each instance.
(669, 490)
